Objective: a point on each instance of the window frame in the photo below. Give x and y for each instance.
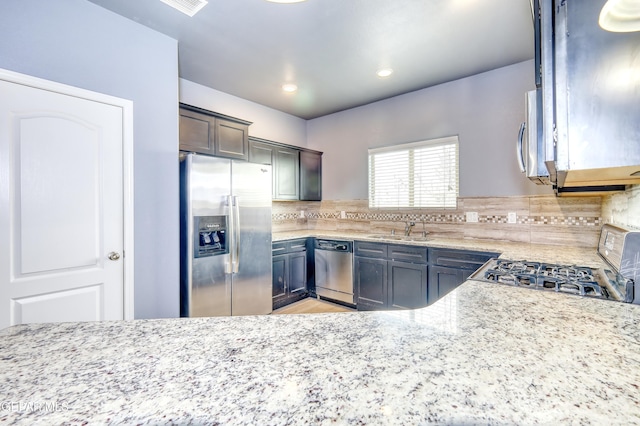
(410, 196)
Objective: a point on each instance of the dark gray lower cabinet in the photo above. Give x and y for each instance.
(298, 272)
(448, 268)
(279, 276)
(370, 282)
(396, 276)
(289, 272)
(442, 280)
(408, 285)
(390, 276)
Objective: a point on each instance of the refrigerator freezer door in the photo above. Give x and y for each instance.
(207, 186)
(252, 290)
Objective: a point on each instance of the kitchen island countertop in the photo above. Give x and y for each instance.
(483, 354)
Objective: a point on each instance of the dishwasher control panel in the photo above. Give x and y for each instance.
(334, 245)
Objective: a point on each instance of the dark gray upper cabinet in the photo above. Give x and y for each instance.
(197, 132)
(261, 152)
(232, 139)
(297, 172)
(286, 172)
(310, 176)
(210, 133)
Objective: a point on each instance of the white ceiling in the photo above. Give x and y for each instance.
(332, 48)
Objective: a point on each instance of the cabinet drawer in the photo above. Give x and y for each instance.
(296, 245)
(460, 258)
(409, 254)
(278, 248)
(367, 249)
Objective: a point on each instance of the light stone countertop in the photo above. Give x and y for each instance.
(509, 250)
(483, 354)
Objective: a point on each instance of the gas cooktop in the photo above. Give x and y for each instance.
(571, 279)
(619, 280)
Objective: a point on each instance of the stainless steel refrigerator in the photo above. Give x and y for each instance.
(225, 237)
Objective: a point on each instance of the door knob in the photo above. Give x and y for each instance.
(114, 255)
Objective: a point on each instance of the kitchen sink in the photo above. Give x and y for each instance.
(399, 237)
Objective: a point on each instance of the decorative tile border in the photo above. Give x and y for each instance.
(443, 218)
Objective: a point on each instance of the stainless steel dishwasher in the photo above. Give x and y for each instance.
(334, 270)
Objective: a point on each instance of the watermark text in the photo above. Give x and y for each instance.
(33, 406)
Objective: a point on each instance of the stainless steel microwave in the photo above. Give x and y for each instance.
(531, 148)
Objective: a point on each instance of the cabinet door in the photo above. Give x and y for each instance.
(232, 140)
(407, 285)
(279, 276)
(442, 280)
(286, 173)
(197, 132)
(260, 152)
(310, 176)
(297, 272)
(370, 280)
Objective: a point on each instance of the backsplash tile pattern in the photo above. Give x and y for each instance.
(623, 208)
(572, 221)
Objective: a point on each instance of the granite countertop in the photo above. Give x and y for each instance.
(508, 250)
(483, 354)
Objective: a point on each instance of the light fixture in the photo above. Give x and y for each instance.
(289, 87)
(286, 1)
(384, 72)
(188, 7)
(620, 16)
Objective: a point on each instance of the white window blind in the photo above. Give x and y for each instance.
(415, 175)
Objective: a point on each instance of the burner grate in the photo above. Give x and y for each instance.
(568, 279)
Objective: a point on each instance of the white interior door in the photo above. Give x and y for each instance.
(61, 221)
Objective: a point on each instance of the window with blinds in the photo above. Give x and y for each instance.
(415, 175)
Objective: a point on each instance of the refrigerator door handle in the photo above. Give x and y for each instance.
(228, 265)
(236, 234)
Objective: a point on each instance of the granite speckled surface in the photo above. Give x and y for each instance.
(509, 250)
(484, 354)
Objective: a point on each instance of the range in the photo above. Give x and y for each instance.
(619, 248)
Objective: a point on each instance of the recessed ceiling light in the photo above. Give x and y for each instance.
(289, 87)
(188, 7)
(286, 1)
(384, 72)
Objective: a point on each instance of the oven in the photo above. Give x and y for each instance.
(618, 280)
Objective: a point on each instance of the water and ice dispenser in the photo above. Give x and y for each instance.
(210, 236)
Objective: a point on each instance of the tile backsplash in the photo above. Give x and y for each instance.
(623, 208)
(574, 221)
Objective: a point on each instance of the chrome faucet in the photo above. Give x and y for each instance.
(407, 228)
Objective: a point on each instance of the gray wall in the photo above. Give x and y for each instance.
(268, 123)
(484, 110)
(78, 43)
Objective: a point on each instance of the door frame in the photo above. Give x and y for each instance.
(127, 165)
